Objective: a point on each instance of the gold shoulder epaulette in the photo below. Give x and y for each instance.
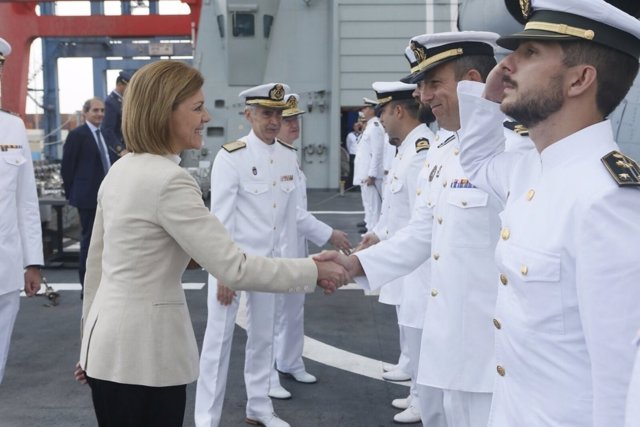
(10, 112)
(422, 144)
(517, 128)
(289, 146)
(623, 169)
(234, 146)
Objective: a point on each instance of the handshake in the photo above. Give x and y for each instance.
(336, 269)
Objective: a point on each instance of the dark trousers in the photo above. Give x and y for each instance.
(86, 225)
(128, 405)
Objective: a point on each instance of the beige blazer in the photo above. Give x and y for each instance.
(150, 221)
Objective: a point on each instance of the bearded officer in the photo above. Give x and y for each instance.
(567, 307)
(254, 195)
(21, 243)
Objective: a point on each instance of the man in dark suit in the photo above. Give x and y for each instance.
(112, 123)
(85, 162)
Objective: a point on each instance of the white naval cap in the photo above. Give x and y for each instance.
(427, 51)
(368, 102)
(569, 20)
(392, 91)
(270, 95)
(292, 110)
(5, 49)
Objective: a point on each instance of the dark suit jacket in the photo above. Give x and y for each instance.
(82, 170)
(112, 123)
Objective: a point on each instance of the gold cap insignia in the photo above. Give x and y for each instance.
(419, 51)
(525, 8)
(277, 93)
(292, 103)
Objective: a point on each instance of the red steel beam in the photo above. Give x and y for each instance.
(21, 25)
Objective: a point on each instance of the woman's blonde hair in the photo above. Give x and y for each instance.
(153, 93)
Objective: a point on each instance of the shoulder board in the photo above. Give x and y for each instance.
(234, 146)
(422, 144)
(290, 147)
(623, 169)
(446, 141)
(517, 128)
(376, 123)
(10, 112)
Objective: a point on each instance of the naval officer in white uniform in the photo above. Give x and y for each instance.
(254, 194)
(567, 307)
(21, 242)
(288, 342)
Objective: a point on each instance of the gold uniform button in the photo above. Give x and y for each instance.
(530, 194)
(271, 161)
(418, 192)
(444, 184)
(463, 203)
(524, 270)
(505, 233)
(274, 183)
(500, 370)
(274, 205)
(503, 279)
(439, 220)
(434, 293)
(497, 324)
(436, 256)
(456, 152)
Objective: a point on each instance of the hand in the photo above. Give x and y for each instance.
(225, 295)
(370, 181)
(340, 241)
(494, 86)
(79, 374)
(368, 239)
(32, 280)
(331, 276)
(350, 262)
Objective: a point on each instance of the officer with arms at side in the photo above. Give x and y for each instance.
(567, 307)
(289, 328)
(21, 243)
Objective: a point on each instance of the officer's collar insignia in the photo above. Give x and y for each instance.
(422, 144)
(525, 8)
(276, 93)
(624, 170)
(7, 147)
(518, 128)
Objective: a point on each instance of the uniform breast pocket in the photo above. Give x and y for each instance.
(10, 167)
(467, 218)
(396, 186)
(536, 286)
(287, 186)
(255, 188)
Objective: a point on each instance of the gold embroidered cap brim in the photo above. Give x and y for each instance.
(280, 105)
(291, 112)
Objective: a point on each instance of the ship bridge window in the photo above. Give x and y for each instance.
(243, 24)
(267, 24)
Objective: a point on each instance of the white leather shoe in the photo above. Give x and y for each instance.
(279, 392)
(304, 377)
(271, 420)
(386, 367)
(396, 375)
(401, 403)
(411, 415)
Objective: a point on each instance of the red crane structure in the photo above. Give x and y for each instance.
(21, 25)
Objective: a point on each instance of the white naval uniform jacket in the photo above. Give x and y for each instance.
(457, 227)
(254, 195)
(399, 197)
(633, 397)
(369, 154)
(20, 230)
(309, 227)
(567, 307)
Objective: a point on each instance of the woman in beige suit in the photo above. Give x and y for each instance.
(138, 347)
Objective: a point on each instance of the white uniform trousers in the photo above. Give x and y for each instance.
(413, 338)
(467, 409)
(216, 350)
(403, 360)
(371, 202)
(289, 333)
(9, 305)
(432, 407)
